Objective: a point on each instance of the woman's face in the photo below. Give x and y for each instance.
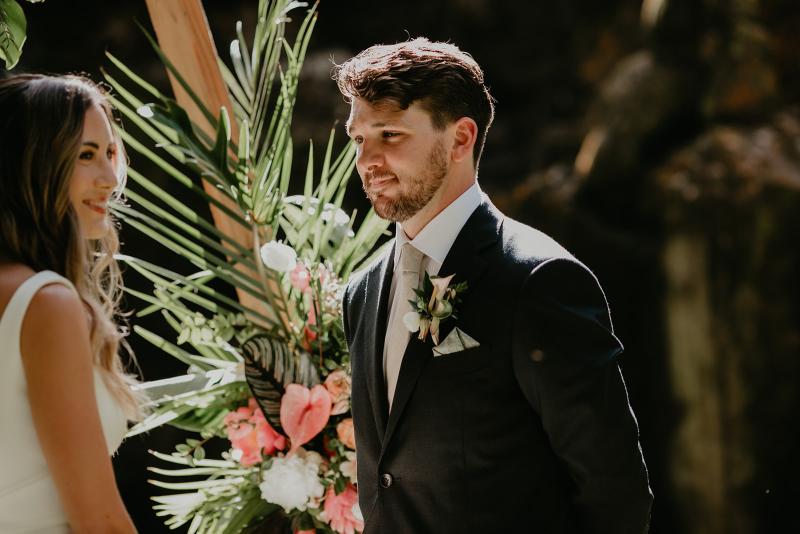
(94, 177)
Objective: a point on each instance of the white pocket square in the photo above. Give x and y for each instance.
(456, 341)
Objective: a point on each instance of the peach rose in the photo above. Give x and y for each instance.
(349, 468)
(346, 433)
(338, 385)
(251, 434)
(338, 510)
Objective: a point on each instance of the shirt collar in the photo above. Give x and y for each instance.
(438, 236)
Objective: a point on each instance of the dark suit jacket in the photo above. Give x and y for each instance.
(530, 432)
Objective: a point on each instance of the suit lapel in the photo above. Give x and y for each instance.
(466, 261)
(378, 293)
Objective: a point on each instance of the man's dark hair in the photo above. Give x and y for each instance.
(446, 81)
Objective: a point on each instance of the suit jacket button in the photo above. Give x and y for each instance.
(386, 480)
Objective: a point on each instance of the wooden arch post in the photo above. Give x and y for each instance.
(184, 35)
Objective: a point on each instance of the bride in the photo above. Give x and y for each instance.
(64, 397)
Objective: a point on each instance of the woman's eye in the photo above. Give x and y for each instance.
(390, 134)
(358, 139)
(110, 153)
(86, 155)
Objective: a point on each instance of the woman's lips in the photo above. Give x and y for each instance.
(97, 207)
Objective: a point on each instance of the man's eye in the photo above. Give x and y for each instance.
(390, 134)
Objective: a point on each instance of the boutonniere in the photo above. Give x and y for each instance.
(436, 301)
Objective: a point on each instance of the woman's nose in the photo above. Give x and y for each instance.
(107, 176)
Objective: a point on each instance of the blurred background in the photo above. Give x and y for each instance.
(658, 140)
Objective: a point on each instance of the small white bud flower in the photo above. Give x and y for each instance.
(279, 257)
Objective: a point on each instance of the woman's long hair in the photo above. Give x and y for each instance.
(41, 127)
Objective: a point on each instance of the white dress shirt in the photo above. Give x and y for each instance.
(434, 241)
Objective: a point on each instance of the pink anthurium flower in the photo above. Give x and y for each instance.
(304, 413)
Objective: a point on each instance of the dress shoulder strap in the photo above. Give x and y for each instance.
(11, 322)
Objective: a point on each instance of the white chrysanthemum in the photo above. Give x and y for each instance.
(292, 482)
(278, 257)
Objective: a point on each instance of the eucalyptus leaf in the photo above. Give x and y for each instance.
(13, 32)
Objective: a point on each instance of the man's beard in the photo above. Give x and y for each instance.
(417, 192)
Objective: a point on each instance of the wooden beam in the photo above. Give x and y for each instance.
(184, 35)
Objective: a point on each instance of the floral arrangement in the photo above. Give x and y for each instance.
(435, 303)
(268, 380)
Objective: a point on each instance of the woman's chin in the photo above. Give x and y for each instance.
(96, 231)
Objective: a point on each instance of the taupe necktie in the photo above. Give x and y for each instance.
(397, 335)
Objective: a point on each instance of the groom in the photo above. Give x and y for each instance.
(519, 420)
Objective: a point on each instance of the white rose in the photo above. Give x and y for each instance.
(411, 320)
(292, 482)
(278, 257)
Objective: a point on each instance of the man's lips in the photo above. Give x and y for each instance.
(379, 182)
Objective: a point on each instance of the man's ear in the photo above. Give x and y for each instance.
(466, 134)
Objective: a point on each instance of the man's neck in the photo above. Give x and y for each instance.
(449, 192)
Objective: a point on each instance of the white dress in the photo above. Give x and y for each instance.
(28, 498)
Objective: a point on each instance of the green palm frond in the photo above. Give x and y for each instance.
(225, 504)
(251, 175)
(235, 349)
(195, 410)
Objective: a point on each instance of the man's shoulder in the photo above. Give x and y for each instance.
(527, 250)
(523, 244)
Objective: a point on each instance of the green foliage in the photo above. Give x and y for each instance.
(13, 31)
(225, 504)
(13, 28)
(253, 172)
(217, 336)
(196, 401)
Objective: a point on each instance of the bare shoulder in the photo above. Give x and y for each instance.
(56, 321)
(56, 304)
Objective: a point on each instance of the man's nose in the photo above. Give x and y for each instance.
(369, 157)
